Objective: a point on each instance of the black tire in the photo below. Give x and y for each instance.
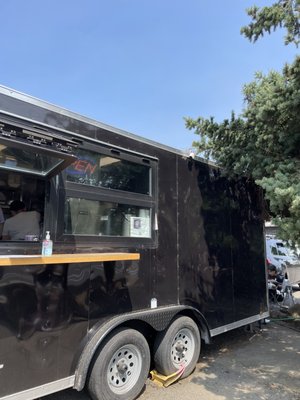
(120, 367)
(178, 344)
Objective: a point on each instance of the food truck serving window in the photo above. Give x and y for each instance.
(110, 194)
(30, 150)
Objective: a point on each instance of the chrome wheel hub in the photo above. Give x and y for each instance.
(183, 348)
(124, 369)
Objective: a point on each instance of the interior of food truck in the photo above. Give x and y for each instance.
(29, 189)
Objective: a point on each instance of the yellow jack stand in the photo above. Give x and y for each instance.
(162, 380)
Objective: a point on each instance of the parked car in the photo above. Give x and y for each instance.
(285, 259)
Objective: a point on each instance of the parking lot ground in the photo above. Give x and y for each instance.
(263, 364)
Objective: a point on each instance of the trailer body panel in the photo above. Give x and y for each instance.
(199, 237)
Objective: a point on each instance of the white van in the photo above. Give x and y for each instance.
(283, 257)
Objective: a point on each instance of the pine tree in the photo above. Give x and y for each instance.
(263, 143)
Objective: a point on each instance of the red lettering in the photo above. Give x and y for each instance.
(90, 167)
(84, 166)
(80, 165)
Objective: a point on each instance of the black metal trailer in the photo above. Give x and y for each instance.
(153, 252)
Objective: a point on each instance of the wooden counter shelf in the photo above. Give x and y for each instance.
(7, 260)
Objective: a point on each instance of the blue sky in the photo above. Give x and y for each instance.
(138, 65)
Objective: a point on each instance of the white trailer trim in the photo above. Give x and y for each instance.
(43, 390)
(237, 324)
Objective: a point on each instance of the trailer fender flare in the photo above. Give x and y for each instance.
(158, 319)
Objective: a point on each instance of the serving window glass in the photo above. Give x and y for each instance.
(106, 171)
(106, 218)
(26, 148)
(23, 160)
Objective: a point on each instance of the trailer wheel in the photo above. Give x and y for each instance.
(121, 366)
(177, 345)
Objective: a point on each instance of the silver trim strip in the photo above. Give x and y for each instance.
(74, 134)
(42, 390)
(49, 106)
(237, 324)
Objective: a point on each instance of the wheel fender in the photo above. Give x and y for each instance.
(158, 319)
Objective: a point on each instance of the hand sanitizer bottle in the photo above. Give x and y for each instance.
(47, 245)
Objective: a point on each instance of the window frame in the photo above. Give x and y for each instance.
(114, 152)
(274, 250)
(94, 193)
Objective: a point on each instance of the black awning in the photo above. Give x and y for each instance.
(31, 149)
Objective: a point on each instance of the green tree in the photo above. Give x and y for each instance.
(263, 143)
(283, 14)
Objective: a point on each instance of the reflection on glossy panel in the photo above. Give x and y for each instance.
(43, 318)
(221, 245)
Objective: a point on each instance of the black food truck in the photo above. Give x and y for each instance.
(153, 252)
